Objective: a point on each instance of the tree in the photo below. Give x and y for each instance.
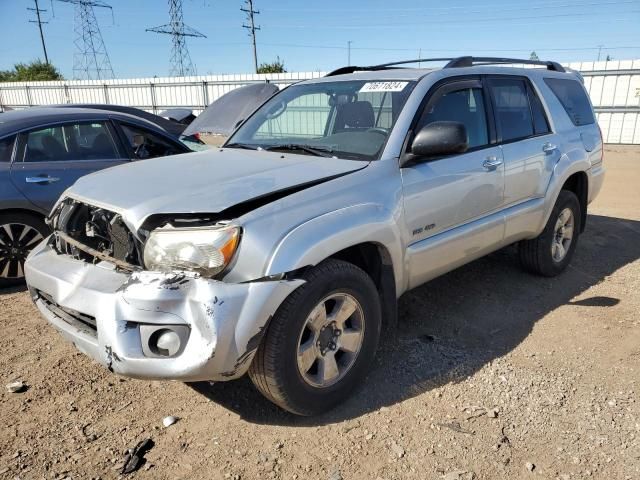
(533, 56)
(274, 67)
(28, 72)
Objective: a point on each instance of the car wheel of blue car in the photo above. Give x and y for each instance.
(19, 234)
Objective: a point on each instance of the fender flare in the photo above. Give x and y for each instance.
(321, 237)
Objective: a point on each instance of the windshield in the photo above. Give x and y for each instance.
(349, 119)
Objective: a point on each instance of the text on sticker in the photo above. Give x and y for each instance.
(383, 87)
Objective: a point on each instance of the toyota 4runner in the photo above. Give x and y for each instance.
(282, 254)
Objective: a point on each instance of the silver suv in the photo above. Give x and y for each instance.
(282, 254)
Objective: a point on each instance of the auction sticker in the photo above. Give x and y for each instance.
(371, 87)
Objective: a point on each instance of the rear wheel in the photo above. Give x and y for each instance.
(550, 253)
(321, 341)
(19, 234)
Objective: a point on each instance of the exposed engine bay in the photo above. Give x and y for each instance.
(93, 234)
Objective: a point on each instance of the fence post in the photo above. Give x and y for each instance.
(106, 93)
(153, 98)
(28, 90)
(66, 93)
(205, 94)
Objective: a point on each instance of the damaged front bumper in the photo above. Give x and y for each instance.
(113, 316)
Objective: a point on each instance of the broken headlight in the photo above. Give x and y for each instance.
(204, 250)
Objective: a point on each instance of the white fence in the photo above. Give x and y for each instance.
(614, 88)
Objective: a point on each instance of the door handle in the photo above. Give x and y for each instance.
(41, 179)
(549, 147)
(491, 163)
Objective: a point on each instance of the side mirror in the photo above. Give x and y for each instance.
(440, 138)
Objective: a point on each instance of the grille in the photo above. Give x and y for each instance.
(85, 323)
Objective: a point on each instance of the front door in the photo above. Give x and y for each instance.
(448, 201)
(51, 159)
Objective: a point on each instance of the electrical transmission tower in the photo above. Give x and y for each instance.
(39, 21)
(181, 64)
(248, 9)
(90, 60)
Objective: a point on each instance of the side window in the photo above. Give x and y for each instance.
(540, 124)
(512, 111)
(574, 100)
(6, 148)
(73, 141)
(465, 106)
(146, 144)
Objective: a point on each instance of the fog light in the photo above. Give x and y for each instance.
(167, 343)
(163, 340)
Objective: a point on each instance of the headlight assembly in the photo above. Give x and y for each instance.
(204, 250)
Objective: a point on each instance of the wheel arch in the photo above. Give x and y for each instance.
(578, 183)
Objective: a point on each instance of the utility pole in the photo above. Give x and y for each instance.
(599, 51)
(349, 42)
(40, 22)
(248, 9)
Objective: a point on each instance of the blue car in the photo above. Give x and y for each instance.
(45, 150)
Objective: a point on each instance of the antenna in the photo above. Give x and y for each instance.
(181, 64)
(248, 9)
(90, 60)
(40, 23)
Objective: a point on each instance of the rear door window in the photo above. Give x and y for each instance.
(70, 142)
(6, 148)
(540, 123)
(511, 107)
(573, 98)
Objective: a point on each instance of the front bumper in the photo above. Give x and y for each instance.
(225, 322)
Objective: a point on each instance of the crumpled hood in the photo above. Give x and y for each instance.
(200, 182)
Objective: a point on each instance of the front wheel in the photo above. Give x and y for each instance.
(322, 340)
(550, 253)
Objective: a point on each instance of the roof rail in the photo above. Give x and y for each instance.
(458, 62)
(383, 66)
(470, 61)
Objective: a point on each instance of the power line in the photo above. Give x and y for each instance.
(40, 23)
(248, 9)
(90, 60)
(457, 21)
(181, 64)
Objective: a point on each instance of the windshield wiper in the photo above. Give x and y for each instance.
(246, 146)
(317, 151)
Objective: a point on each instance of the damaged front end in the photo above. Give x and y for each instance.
(89, 280)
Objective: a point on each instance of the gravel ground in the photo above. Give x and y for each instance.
(494, 374)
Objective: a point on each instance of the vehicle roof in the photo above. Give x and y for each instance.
(414, 74)
(17, 120)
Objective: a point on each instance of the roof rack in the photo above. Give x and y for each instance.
(458, 62)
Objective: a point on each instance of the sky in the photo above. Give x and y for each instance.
(313, 35)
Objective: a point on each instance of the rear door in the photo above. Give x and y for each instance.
(529, 148)
(50, 159)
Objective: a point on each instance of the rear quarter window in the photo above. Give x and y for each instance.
(574, 100)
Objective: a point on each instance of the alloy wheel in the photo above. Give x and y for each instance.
(330, 340)
(562, 235)
(16, 241)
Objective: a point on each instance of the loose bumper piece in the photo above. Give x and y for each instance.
(154, 325)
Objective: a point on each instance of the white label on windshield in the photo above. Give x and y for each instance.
(370, 87)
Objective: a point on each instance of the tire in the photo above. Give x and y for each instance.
(279, 369)
(542, 255)
(19, 233)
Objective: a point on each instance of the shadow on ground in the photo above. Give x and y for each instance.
(453, 325)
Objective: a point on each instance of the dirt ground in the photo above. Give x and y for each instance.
(495, 374)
